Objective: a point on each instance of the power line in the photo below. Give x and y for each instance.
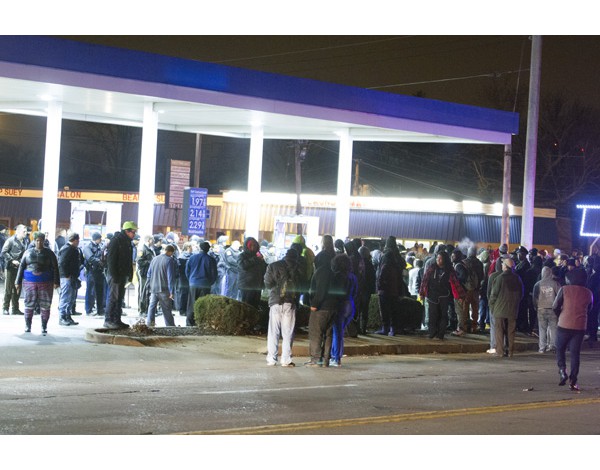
(324, 48)
(414, 180)
(483, 75)
(437, 50)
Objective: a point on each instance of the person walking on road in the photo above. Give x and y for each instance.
(161, 281)
(572, 305)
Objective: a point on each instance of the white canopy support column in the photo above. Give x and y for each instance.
(51, 170)
(254, 182)
(344, 188)
(148, 170)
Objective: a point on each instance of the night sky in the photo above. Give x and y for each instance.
(450, 68)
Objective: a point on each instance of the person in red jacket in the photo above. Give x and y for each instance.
(440, 284)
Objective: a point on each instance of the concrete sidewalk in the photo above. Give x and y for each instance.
(90, 330)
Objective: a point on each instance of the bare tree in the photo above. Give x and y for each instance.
(568, 161)
(108, 154)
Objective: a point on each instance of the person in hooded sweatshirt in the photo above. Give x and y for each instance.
(282, 279)
(544, 294)
(324, 301)
(326, 254)
(228, 264)
(572, 305)
(390, 287)
(309, 256)
(347, 288)
(484, 308)
(369, 289)
(252, 267)
(358, 268)
(339, 246)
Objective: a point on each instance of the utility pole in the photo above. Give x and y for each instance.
(356, 186)
(301, 149)
(197, 158)
(531, 145)
(505, 231)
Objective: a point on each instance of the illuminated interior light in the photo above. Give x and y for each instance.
(472, 207)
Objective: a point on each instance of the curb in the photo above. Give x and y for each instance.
(367, 345)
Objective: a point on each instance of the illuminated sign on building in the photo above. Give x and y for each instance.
(590, 220)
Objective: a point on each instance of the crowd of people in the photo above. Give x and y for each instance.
(463, 290)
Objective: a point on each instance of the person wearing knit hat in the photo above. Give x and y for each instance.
(505, 298)
(309, 255)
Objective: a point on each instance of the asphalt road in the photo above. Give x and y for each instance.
(63, 385)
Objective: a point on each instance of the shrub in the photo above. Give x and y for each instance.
(225, 316)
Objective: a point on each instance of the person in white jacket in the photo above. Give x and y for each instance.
(413, 288)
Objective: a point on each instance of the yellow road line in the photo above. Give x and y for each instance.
(296, 427)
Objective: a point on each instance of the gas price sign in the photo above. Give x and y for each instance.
(195, 211)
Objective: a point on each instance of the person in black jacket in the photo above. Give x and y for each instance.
(390, 287)
(12, 251)
(368, 289)
(120, 271)
(69, 264)
(182, 284)
(94, 269)
(522, 266)
(3, 238)
(145, 257)
(282, 279)
(252, 268)
(323, 310)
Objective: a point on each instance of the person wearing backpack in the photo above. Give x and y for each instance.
(282, 278)
(475, 280)
(470, 283)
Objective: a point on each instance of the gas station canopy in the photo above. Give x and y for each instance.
(108, 85)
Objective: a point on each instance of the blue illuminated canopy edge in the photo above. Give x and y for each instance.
(79, 57)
